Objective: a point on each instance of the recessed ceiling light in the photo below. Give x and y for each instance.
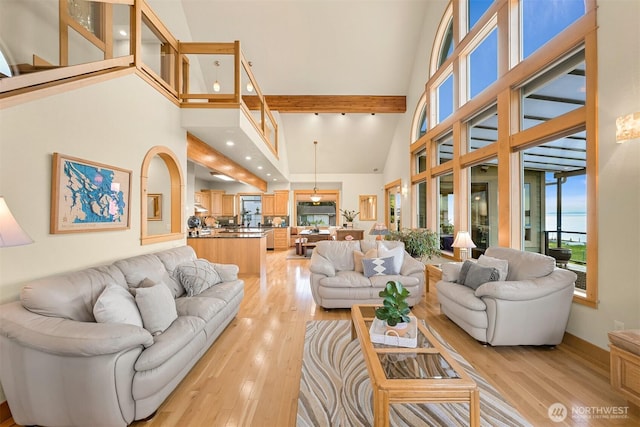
(231, 143)
(259, 167)
(123, 33)
(247, 158)
(275, 179)
(268, 174)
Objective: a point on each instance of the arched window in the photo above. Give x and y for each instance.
(419, 123)
(510, 150)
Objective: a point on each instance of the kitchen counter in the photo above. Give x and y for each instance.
(246, 249)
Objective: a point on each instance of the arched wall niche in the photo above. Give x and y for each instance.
(176, 194)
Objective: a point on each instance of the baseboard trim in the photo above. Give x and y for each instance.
(5, 412)
(587, 350)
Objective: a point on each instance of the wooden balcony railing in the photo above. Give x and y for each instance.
(102, 36)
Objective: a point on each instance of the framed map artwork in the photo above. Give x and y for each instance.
(88, 196)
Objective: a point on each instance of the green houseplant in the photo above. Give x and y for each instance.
(349, 215)
(419, 242)
(395, 310)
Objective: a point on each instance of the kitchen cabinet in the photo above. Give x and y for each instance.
(202, 199)
(228, 204)
(281, 238)
(214, 201)
(281, 205)
(268, 205)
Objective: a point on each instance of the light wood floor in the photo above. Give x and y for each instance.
(250, 376)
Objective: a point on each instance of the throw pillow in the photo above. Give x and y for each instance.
(359, 256)
(463, 271)
(378, 266)
(157, 307)
(502, 265)
(145, 283)
(478, 274)
(116, 305)
(197, 275)
(397, 253)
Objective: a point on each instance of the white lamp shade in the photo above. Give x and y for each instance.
(463, 240)
(11, 234)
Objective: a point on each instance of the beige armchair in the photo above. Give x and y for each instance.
(530, 307)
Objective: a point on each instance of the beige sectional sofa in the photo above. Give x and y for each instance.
(60, 367)
(338, 279)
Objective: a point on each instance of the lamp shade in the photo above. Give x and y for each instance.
(11, 234)
(379, 229)
(463, 240)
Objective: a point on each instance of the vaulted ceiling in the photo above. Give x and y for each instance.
(315, 47)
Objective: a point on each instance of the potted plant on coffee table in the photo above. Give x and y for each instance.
(395, 310)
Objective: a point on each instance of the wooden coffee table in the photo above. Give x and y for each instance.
(425, 374)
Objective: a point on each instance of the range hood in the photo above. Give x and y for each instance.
(199, 208)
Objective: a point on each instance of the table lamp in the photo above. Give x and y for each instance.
(464, 243)
(11, 234)
(379, 230)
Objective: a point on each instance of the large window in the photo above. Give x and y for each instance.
(512, 130)
(555, 201)
(445, 99)
(541, 24)
(483, 64)
(483, 206)
(477, 8)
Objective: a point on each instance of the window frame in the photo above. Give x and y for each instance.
(512, 72)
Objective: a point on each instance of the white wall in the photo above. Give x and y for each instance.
(115, 122)
(398, 162)
(618, 178)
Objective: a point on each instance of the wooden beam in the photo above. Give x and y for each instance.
(203, 154)
(330, 103)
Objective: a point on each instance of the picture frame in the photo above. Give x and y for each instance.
(88, 196)
(154, 207)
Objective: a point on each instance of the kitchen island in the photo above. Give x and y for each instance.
(246, 248)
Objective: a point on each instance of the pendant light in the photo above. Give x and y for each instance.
(216, 84)
(315, 198)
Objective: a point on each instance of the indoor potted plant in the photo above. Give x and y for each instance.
(395, 310)
(418, 242)
(349, 216)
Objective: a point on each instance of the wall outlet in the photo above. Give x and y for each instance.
(618, 325)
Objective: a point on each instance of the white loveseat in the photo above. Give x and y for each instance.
(530, 306)
(59, 367)
(337, 282)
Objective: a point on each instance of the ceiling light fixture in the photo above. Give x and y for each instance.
(315, 197)
(221, 176)
(249, 84)
(216, 84)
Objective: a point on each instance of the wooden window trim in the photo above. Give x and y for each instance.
(512, 73)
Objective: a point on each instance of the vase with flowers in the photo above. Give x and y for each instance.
(349, 216)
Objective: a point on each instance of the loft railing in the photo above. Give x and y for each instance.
(101, 36)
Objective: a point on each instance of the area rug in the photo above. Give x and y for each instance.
(335, 389)
(292, 254)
